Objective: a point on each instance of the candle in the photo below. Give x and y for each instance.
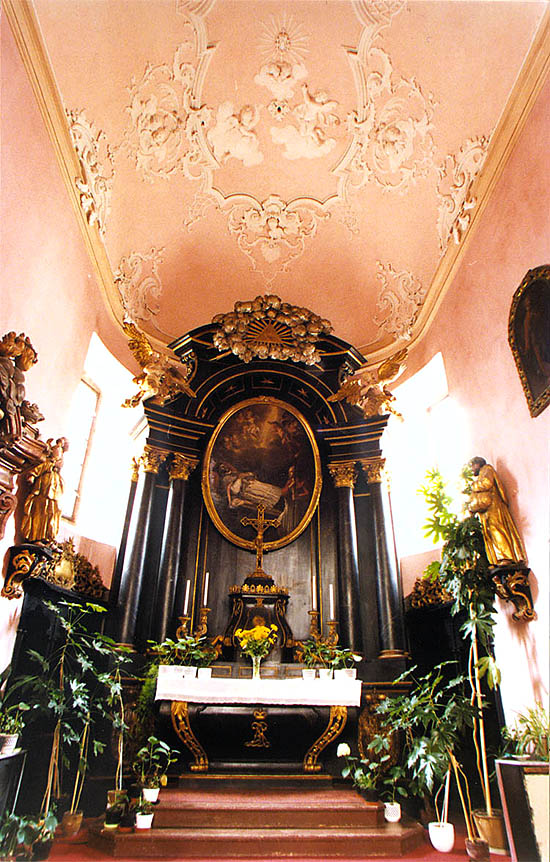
(205, 596)
(186, 602)
(331, 600)
(313, 593)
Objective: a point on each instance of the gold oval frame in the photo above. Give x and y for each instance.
(315, 494)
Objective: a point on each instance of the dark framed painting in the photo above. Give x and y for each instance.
(529, 337)
(262, 452)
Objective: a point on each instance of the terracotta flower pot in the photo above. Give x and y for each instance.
(477, 849)
(71, 823)
(491, 828)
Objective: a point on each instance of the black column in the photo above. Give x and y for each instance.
(115, 582)
(180, 470)
(388, 581)
(344, 476)
(136, 550)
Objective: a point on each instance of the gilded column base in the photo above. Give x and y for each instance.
(336, 723)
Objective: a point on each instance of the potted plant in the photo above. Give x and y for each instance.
(529, 737)
(343, 660)
(11, 725)
(432, 718)
(75, 684)
(150, 766)
(257, 642)
(23, 837)
(189, 651)
(144, 814)
(315, 653)
(464, 574)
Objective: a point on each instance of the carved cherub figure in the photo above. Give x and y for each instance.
(369, 391)
(162, 379)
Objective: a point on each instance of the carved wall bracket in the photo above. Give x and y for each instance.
(512, 585)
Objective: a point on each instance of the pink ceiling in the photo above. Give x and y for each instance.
(322, 151)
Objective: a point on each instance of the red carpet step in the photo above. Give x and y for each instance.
(267, 824)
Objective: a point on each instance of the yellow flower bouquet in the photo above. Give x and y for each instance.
(256, 642)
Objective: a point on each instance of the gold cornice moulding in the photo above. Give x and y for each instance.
(344, 475)
(182, 466)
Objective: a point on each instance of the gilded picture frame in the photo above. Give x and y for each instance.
(262, 451)
(529, 337)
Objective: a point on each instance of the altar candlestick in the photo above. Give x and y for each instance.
(186, 601)
(205, 596)
(331, 600)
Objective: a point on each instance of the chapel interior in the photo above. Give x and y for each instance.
(265, 265)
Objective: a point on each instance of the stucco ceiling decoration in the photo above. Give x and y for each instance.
(338, 153)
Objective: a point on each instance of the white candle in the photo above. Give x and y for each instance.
(205, 596)
(331, 600)
(313, 593)
(186, 602)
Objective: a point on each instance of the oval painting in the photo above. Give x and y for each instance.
(262, 453)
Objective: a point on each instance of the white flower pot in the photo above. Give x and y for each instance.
(204, 673)
(151, 794)
(350, 672)
(144, 821)
(309, 672)
(325, 673)
(8, 742)
(442, 836)
(392, 812)
(189, 672)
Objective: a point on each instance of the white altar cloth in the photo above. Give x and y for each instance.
(171, 685)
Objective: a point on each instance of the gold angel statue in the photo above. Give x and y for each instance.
(162, 379)
(369, 391)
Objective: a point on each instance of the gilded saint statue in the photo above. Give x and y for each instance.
(503, 543)
(42, 508)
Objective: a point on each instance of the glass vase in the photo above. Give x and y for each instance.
(256, 659)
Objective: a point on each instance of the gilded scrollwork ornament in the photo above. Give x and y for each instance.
(163, 379)
(368, 389)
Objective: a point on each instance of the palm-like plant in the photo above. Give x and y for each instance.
(464, 573)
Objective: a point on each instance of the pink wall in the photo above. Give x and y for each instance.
(470, 330)
(47, 288)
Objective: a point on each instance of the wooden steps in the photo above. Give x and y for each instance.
(263, 824)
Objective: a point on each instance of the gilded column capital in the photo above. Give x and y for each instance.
(182, 466)
(344, 474)
(152, 459)
(373, 469)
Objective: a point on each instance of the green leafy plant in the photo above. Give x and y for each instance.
(152, 761)
(315, 653)
(464, 573)
(12, 718)
(19, 834)
(381, 777)
(186, 650)
(431, 719)
(78, 684)
(343, 657)
(143, 806)
(530, 735)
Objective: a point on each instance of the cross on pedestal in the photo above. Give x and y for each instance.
(260, 524)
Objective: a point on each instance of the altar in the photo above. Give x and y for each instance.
(283, 724)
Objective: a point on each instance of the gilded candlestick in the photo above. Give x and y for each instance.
(202, 627)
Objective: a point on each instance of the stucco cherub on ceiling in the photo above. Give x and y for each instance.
(372, 128)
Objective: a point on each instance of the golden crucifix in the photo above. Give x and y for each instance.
(260, 524)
